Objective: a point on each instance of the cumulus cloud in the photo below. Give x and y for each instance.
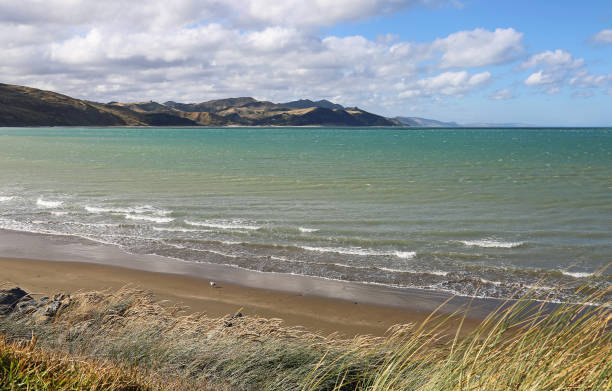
(552, 59)
(502, 94)
(193, 50)
(318, 12)
(584, 79)
(558, 69)
(479, 47)
(447, 83)
(604, 36)
(161, 14)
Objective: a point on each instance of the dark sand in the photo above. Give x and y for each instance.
(46, 264)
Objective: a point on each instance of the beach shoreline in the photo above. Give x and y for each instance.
(48, 264)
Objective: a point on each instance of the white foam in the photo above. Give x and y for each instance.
(361, 251)
(133, 210)
(153, 219)
(491, 243)
(405, 254)
(48, 204)
(224, 224)
(178, 229)
(577, 274)
(307, 230)
(6, 198)
(59, 213)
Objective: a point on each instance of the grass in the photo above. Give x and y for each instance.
(25, 367)
(525, 345)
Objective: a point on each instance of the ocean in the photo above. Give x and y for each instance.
(484, 212)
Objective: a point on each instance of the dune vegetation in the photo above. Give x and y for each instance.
(125, 340)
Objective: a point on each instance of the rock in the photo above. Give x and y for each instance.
(9, 299)
(5, 309)
(11, 296)
(28, 306)
(50, 309)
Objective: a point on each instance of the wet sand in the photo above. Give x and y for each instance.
(47, 264)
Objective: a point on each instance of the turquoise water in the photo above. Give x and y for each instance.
(472, 211)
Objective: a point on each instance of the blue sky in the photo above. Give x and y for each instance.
(546, 25)
(534, 62)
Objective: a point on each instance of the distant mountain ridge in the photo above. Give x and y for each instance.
(25, 106)
(432, 123)
(306, 103)
(424, 122)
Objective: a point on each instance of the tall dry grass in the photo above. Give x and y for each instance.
(524, 345)
(23, 366)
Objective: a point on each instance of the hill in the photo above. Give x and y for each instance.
(25, 106)
(426, 123)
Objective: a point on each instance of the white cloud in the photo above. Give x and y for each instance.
(447, 83)
(539, 78)
(584, 79)
(502, 94)
(557, 59)
(190, 50)
(479, 47)
(551, 83)
(560, 69)
(158, 15)
(604, 36)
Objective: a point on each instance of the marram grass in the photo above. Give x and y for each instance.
(25, 367)
(524, 345)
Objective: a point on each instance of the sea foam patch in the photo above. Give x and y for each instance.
(153, 219)
(307, 230)
(134, 210)
(6, 198)
(577, 274)
(224, 224)
(42, 203)
(361, 251)
(491, 243)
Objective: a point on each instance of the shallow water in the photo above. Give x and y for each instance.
(473, 211)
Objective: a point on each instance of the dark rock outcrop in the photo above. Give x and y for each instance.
(9, 298)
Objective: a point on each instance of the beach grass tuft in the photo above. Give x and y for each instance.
(23, 366)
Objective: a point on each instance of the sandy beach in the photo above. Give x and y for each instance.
(47, 264)
(315, 313)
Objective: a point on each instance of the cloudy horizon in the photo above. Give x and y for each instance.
(464, 61)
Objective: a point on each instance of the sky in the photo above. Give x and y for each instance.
(544, 63)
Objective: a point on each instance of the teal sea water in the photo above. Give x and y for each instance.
(485, 212)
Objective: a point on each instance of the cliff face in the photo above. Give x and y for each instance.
(24, 106)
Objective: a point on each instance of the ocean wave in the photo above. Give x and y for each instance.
(491, 243)
(178, 229)
(307, 230)
(224, 224)
(154, 219)
(434, 272)
(59, 213)
(6, 198)
(48, 204)
(577, 274)
(132, 210)
(361, 251)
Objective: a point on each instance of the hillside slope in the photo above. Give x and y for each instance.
(24, 106)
